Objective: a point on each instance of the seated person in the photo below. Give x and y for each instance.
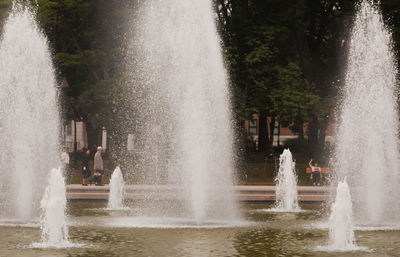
(315, 173)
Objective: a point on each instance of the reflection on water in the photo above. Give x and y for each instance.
(269, 234)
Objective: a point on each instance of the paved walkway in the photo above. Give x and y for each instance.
(245, 193)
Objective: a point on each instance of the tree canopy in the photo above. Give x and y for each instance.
(285, 58)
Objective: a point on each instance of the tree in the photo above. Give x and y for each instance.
(293, 99)
(87, 38)
(277, 36)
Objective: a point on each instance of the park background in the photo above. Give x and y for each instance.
(285, 61)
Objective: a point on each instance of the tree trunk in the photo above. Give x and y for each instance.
(279, 134)
(313, 136)
(322, 133)
(271, 133)
(301, 130)
(92, 136)
(262, 132)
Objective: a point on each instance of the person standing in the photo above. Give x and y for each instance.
(65, 164)
(85, 167)
(98, 167)
(315, 173)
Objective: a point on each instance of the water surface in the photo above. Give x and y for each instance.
(266, 234)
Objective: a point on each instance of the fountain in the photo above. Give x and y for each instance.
(286, 184)
(53, 221)
(341, 234)
(29, 116)
(189, 134)
(367, 140)
(341, 227)
(183, 107)
(116, 197)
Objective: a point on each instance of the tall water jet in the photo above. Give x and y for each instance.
(184, 127)
(286, 184)
(341, 234)
(29, 116)
(116, 197)
(53, 220)
(367, 140)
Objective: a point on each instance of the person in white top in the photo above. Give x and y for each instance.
(315, 173)
(65, 165)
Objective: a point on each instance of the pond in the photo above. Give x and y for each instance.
(121, 233)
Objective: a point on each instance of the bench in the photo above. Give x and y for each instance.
(323, 170)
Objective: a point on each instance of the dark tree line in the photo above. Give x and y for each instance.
(286, 59)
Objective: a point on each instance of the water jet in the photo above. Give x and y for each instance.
(368, 153)
(286, 183)
(29, 115)
(184, 127)
(116, 197)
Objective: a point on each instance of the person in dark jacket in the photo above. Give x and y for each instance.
(85, 167)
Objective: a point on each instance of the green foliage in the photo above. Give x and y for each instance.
(66, 60)
(87, 38)
(283, 56)
(294, 97)
(103, 102)
(260, 60)
(261, 43)
(4, 8)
